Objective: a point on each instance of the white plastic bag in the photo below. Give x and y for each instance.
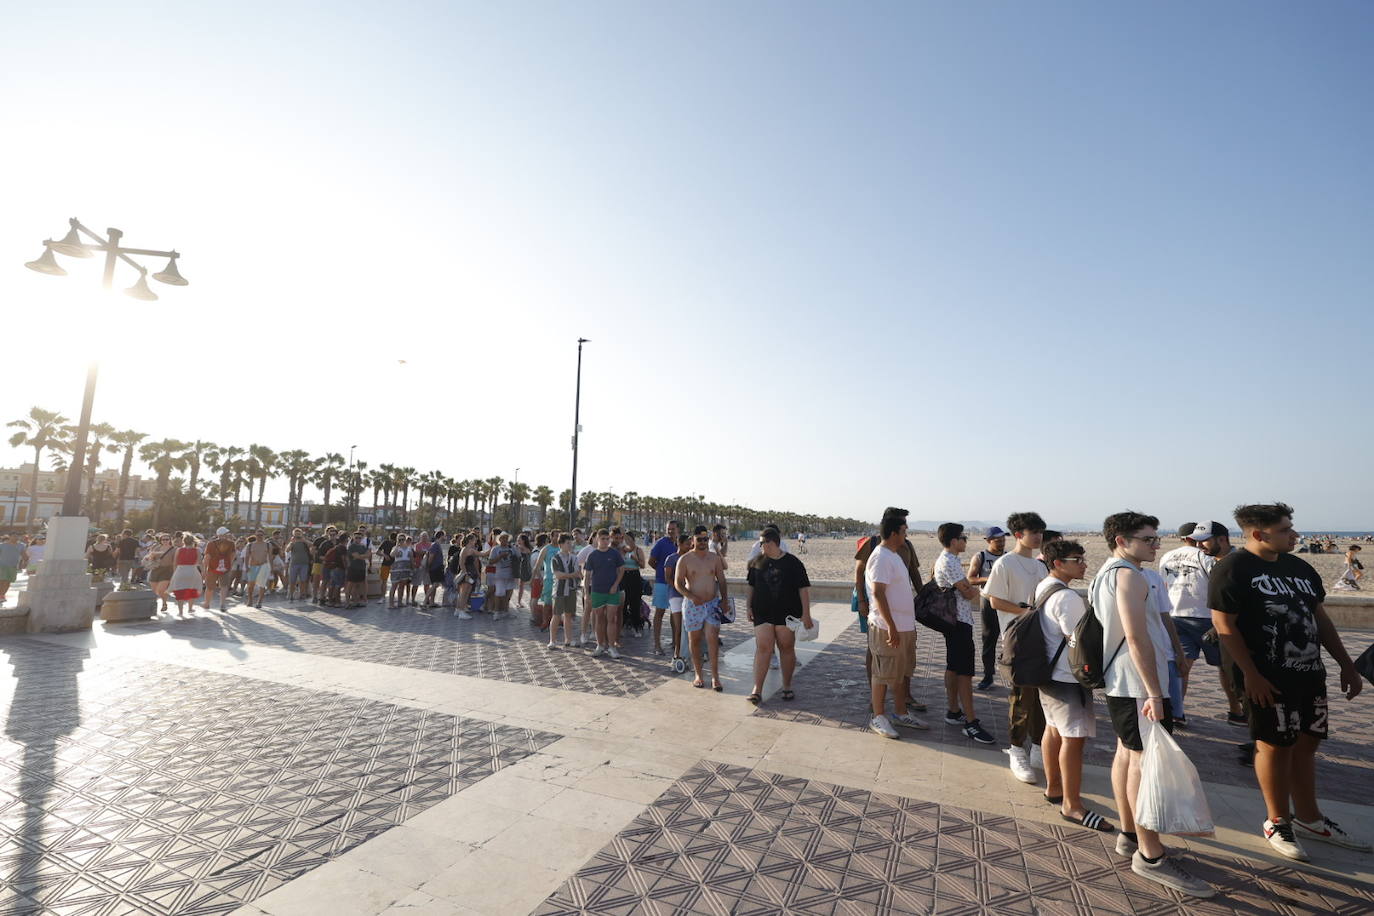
(802, 633)
(1171, 798)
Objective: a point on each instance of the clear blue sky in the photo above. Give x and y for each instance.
(966, 258)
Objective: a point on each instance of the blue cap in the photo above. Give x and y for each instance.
(994, 532)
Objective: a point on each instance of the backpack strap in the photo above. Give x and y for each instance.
(1055, 588)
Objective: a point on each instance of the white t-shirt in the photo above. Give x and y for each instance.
(1159, 592)
(1013, 578)
(1058, 618)
(948, 570)
(758, 549)
(1123, 680)
(1186, 570)
(886, 566)
(583, 554)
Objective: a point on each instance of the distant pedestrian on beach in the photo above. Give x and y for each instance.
(979, 568)
(1353, 572)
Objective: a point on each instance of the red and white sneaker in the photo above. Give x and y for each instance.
(1280, 836)
(1325, 830)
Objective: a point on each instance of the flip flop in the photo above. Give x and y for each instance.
(698, 684)
(1090, 819)
(1053, 799)
(788, 695)
(717, 686)
(755, 699)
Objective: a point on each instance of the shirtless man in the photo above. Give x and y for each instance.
(700, 576)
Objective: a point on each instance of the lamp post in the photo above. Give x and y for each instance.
(577, 429)
(351, 490)
(72, 246)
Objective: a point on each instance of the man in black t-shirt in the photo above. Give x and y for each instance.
(778, 588)
(1267, 607)
(126, 556)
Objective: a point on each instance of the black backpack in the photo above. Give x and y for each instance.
(1085, 651)
(1023, 660)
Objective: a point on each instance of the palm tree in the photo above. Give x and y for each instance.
(565, 502)
(405, 479)
(163, 457)
(493, 487)
(631, 504)
(222, 459)
(609, 503)
(128, 440)
(39, 430)
(378, 481)
(518, 493)
(325, 477)
(200, 452)
(238, 469)
(100, 434)
(386, 481)
(543, 498)
(294, 464)
(264, 465)
(588, 503)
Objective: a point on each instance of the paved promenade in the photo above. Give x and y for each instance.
(303, 761)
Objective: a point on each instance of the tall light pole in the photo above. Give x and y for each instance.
(577, 429)
(72, 246)
(351, 488)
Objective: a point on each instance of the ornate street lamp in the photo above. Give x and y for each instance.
(72, 246)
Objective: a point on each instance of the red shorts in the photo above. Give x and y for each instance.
(536, 589)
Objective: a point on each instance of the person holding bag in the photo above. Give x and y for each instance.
(948, 573)
(161, 561)
(1135, 643)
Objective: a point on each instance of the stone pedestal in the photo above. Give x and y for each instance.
(131, 604)
(59, 596)
(101, 589)
(374, 584)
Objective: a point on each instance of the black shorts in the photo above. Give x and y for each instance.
(959, 650)
(774, 616)
(356, 576)
(1292, 714)
(1126, 720)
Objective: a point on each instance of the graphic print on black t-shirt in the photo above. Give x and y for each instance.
(777, 585)
(1275, 607)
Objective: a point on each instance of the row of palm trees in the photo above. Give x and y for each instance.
(229, 473)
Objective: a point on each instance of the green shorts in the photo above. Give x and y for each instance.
(605, 599)
(8, 573)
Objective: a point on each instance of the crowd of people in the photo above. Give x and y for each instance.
(1255, 613)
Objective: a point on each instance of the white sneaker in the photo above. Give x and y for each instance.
(464, 615)
(1280, 835)
(1020, 765)
(598, 652)
(614, 652)
(883, 727)
(1036, 759)
(773, 663)
(1325, 830)
(907, 720)
(1170, 874)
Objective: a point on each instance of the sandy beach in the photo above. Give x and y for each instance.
(833, 558)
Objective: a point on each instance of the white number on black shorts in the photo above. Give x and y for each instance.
(1318, 726)
(1288, 721)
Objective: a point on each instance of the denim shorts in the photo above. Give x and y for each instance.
(300, 573)
(336, 578)
(1190, 633)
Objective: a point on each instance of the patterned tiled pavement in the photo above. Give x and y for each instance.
(831, 692)
(730, 840)
(505, 650)
(135, 787)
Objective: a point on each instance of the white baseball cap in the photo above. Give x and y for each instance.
(222, 531)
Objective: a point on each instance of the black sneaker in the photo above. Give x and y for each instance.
(1247, 754)
(984, 684)
(955, 717)
(1239, 721)
(976, 731)
(1180, 721)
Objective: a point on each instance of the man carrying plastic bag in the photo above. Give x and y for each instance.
(1135, 660)
(1170, 798)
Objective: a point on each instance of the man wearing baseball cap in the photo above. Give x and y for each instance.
(979, 568)
(1186, 570)
(219, 559)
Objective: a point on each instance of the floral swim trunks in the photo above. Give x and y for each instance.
(694, 616)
